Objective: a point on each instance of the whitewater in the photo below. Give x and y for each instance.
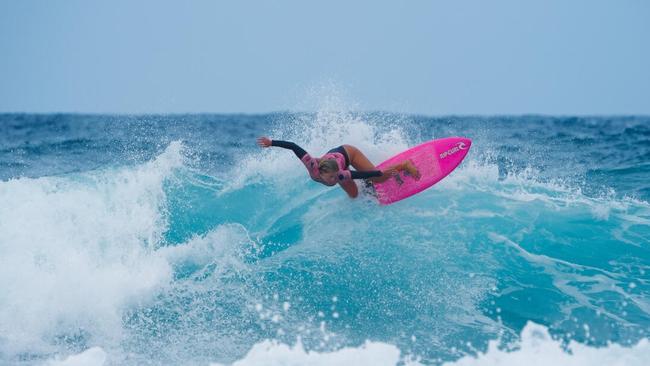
(174, 240)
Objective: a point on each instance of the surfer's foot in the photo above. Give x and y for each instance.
(411, 170)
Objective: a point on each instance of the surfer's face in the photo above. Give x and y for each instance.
(327, 176)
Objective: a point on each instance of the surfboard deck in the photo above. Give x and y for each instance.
(434, 160)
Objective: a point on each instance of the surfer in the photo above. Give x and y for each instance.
(333, 167)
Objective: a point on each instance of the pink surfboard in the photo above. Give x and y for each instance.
(434, 160)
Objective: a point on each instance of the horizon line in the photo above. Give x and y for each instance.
(412, 114)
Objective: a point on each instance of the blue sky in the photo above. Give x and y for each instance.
(428, 57)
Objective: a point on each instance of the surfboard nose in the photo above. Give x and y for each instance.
(467, 142)
(452, 146)
(451, 151)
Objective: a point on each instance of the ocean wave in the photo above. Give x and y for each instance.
(163, 262)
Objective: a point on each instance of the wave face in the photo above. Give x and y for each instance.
(131, 240)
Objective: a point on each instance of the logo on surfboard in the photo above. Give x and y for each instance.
(459, 146)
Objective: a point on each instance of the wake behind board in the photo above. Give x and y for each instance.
(434, 160)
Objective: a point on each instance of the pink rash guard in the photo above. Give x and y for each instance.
(312, 167)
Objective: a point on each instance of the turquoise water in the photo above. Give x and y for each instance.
(175, 240)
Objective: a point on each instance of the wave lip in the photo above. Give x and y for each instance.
(71, 247)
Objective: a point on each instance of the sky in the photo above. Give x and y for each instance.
(579, 57)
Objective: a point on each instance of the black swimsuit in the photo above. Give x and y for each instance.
(342, 151)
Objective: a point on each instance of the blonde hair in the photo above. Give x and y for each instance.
(328, 166)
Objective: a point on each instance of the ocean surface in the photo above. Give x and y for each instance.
(175, 240)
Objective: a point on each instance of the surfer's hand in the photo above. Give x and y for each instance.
(264, 141)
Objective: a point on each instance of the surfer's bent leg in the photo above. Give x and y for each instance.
(357, 159)
(361, 163)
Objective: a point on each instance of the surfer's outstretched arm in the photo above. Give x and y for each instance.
(267, 142)
(299, 151)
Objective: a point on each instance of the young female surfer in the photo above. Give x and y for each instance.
(333, 167)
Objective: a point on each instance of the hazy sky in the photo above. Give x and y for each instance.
(430, 57)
